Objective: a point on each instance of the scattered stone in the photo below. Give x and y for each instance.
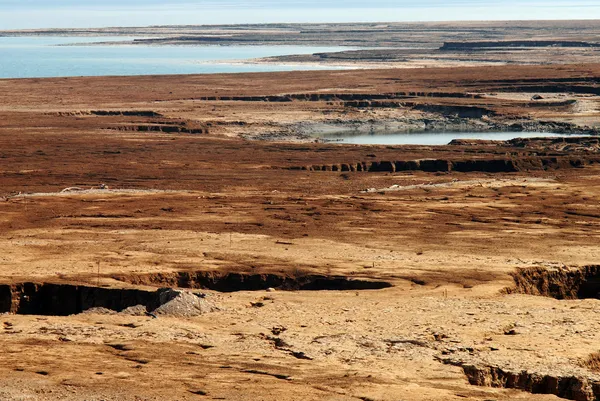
(139, 360)
(277, 330)
(276, 375)
(120, 347)
(300, 355)
(131, 325)
(72, 189)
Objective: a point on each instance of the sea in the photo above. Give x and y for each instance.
(29, 57)
(39, 57)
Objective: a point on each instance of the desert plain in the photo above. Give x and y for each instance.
(303, 268)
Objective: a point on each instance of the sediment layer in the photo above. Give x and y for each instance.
(567, 387)
(559, 283)
(231, 282)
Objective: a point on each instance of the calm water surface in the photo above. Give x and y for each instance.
(36, 57)
(429, 138)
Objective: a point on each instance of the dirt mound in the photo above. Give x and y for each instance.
(183, 304)
(170, 303)
(136, 310)
(100, 311)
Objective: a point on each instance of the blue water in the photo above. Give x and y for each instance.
(20, 14)
(29, 57)
(429, 138)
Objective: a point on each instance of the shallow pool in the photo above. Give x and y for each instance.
(429, 138)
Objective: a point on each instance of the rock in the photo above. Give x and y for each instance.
(120, 346)
(277, 330)
(183, 304)
(136, 310)
(568, 387)
(300, 355)
(99, 311)
(131, 325)
(198, 392)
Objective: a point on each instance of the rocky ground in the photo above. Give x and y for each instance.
(309, 270)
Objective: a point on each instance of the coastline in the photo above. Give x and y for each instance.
(405, 45)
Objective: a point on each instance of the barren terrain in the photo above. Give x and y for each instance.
(323, 271)
(381, 45)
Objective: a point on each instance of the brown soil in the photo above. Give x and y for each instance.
(210, 210)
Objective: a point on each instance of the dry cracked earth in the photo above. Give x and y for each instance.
(308, 270)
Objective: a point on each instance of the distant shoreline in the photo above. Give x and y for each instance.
(376, 45)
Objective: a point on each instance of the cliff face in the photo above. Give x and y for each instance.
(498, 165)
(570, 387)
(562, 283)
(483, 45)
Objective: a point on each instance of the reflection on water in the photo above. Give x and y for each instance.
(429, 138)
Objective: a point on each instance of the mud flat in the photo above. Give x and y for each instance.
(305, 270)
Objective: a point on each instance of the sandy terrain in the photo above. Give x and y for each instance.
(323, 271)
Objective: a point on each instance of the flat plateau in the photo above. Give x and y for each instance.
(337, 272)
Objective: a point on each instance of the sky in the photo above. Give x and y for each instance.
(25, 14)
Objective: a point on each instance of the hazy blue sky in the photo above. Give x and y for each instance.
(15, 14)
